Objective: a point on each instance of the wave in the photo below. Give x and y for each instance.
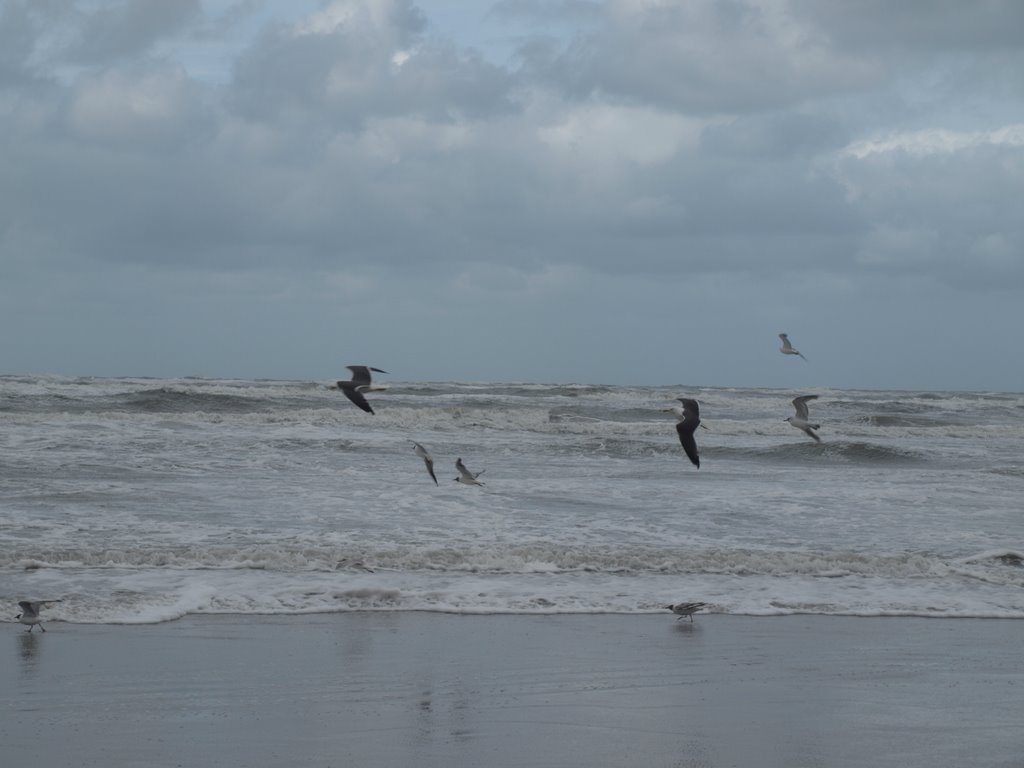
(530, 558)
(165, 400)
(902, 420)
(829, 450)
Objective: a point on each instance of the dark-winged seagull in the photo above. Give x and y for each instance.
(787, 348)
(685, 609)
(688, 423)
(360, 383)
(424, 454)
(30, 612)
(800, 420)
(465, 476)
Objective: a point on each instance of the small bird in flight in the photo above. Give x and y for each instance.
(30, 612)
(424, 454)
(800, 421)
(465, 476)
(685, 609)
(787, 348)
(689, 420)
(360, 383)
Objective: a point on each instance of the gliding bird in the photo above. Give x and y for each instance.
(800, 420)
(465, 476)
(787, 348)
(424, 454)
(688, 423)
(360, 383)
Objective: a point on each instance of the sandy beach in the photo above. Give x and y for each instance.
(404, 689)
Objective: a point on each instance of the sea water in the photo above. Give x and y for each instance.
(144, 500)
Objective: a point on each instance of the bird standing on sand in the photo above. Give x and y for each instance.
(360, 383)
(787, 348)
(688, 422)
(685, 609)
(465, 476)
(800, 421)
(424, 454)
(30, 612)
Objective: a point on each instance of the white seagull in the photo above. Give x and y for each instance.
(465, 476)
(685, 609)
(787, 348)
(360, 383)
(689, 420)
(424, 454)
(30, 612)
(800, 421)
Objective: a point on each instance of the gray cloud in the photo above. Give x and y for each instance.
(348, 67)
(118, 29)
(642, 168)
(701, 57)
(918, 24)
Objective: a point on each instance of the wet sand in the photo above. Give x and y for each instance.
(422, 689)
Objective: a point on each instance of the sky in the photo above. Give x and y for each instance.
(622, 192)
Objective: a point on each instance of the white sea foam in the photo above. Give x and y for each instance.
(142, 500)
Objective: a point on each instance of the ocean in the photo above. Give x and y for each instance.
(139, 500)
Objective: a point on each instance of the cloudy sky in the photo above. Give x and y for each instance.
(619, 191)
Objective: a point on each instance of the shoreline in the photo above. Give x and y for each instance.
(434, 689)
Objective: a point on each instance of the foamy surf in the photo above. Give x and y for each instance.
(144, 500)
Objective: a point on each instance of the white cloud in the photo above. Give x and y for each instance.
(600, 133)
(937, 141)
(126, 106)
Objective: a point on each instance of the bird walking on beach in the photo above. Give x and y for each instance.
(465, 476)
(689, 420)
(800, 421)
(685, 609)
(30, 612)
(787, 348)
(424, 454)
(359, 384)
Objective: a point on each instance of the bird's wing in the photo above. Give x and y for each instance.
(785, 341)
(354, 395)
(810, 432)
(800, 403)
(430, 468)
(686, 430)
(360, 374)
(690, 408)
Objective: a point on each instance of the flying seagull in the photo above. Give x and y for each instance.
(30, 612)
(685, 609)
(465, 476)
(360, 383)
(800, 420)
(689, 420)
(787, 348)
(424, 454)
